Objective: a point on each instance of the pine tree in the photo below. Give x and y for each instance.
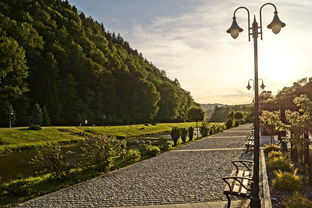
(36, 115)
(45, 117)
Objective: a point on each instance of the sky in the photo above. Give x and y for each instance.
(187, 39)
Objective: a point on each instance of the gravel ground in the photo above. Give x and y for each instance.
(172, 178)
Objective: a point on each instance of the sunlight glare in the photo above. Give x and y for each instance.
(277, 64)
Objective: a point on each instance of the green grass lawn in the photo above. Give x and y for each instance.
(21, 138)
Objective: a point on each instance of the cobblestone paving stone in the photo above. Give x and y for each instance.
(170, 178)
(228, 139)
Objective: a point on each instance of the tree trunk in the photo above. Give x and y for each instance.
(306, 153)
(294, 154)
(282, 133)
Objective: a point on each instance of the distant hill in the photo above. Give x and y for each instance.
(222, 110)
(210, 106)
(76, 70)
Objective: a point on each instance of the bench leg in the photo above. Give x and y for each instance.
(247, 148)
(229, 201)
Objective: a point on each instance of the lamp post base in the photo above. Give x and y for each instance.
(255, 202)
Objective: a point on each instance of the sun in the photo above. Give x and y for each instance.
(277, 64)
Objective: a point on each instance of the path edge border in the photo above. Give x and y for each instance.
(267, 203)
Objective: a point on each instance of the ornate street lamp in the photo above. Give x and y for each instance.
(253, 32)
(262, 86)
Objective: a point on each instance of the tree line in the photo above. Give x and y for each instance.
(68, 65)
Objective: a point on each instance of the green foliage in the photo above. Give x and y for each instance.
(20, 190)
(307, 174)
(230, 115)
(100, 151)
(13, 68)
(19, 138)
(175, 135)
(79, 71)
(126, 157)
(35, 127)
(279, 163)
(236, 123)
(222, 113)
(298, 201)
(45, 117)
(148, 151)
(52, 160)
(183, 134)
(238, 115)
(271, 147)
(275, 154)
(191, 133)
(204, 129)
(18, 187)
(164, 145)
(36, 115)
(273, 120)
(287, 181)
(229, 123)
(196, 114)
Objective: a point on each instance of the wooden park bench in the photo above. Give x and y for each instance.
(249, 142)
(239, 183)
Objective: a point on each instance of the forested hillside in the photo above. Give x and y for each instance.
(55, 56)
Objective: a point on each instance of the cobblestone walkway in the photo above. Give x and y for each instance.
(175, 177)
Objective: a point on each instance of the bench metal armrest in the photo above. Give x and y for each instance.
(236, 179)
(243, 162)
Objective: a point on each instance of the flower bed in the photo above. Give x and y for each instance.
(291, 188)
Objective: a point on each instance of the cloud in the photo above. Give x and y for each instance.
(193, 47)
(187, 39)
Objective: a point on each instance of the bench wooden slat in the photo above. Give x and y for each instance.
(227, 188)
(237, 188)
(236, 185)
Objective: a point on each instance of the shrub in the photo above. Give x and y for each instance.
(164, 145)
(191, 133)
(229, 124)
(36, 115)
(298, 201)
(204, 130)
(148, 150)
(52, 160)
(183, 134)
(238, 115)
(275, 154)
(175, 135)
(18, 187)
(34, 127)
(271, 147)
(236, 123)
(287, 181)
(279, 163)
(307, 174)
(100, 151)
(45, 117)
(126, 157)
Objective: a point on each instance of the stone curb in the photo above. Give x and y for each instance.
(218, 204)
(266, 200)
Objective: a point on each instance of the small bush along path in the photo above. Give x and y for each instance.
(174, 177)
(23, 138)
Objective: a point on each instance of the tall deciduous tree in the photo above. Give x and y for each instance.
(13, 69)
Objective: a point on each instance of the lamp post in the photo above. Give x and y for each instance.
(253, 32)
(262, 86)
(10, 118)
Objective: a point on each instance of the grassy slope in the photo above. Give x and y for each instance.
(17, 138)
